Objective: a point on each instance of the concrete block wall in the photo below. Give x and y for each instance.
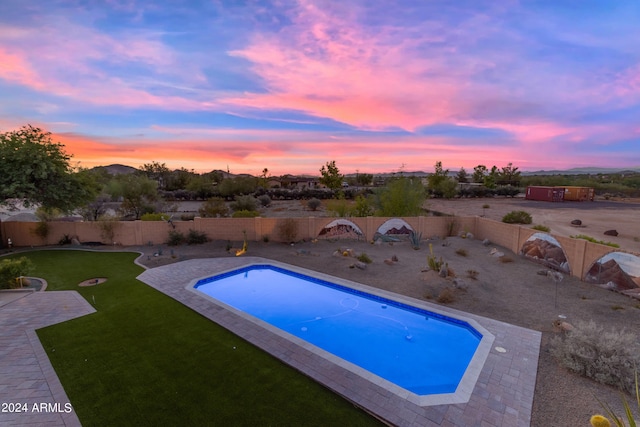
(580, 254)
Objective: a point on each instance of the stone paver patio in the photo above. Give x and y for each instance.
(501, 396)
(27, 379)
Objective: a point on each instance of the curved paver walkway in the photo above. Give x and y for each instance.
(27, 378)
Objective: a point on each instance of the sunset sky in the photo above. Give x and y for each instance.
(377, 86)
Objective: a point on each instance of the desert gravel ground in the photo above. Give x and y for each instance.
(511, 291)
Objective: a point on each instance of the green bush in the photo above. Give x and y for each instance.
(245, 214)
(339, 207)
(606, 356)
(244, 203)
(11, 269)
(362, 207)
(517, 217)
(154, 217)
(175, 238)
(594, 240)
(264, 200)
(215, 207)
(541, 228)
(363, 257)
(195, 237)
(314, 204)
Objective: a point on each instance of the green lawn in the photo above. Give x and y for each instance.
(145, 359)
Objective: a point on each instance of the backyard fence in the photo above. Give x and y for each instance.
(580, 254)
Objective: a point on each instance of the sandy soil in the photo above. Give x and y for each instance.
(597, 217)
(512, 292)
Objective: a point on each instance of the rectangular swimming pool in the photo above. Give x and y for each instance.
(418, 350)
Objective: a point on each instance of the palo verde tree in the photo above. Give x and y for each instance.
(331, 176)
(36, 171)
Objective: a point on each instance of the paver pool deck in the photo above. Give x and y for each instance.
(501, 396)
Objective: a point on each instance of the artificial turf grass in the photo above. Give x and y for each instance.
(145, 359)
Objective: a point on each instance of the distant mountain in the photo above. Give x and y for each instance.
(583, 171)
(116, 169)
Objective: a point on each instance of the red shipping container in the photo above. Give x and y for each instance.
(545, 194)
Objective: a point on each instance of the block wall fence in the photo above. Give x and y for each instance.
(580, 254)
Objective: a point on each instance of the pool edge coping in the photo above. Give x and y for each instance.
(467, 382)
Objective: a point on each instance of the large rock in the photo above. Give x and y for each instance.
(576, 222)
(611, 233)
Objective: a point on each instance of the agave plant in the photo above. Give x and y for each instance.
(415, 239)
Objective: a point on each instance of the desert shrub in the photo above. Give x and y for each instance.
(486, 206)
(314, 204)
(446, 296)
(363, 257)
(362, 207)
(187, 217)
(264, 200)
(608, 356)
(244, 203)
(215, 207)
(288, 230)
(517, 217)
(65, 240)
(175, 238)
(339, 207)
(42, 229)
(11, 269)
(541, 228)
(593, 240)
(195, 237)
(154, 217)
(245, 214)
(452, 226)
(461, 252)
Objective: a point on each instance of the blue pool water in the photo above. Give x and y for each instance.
(420, 351)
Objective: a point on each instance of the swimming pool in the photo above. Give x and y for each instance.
(421, 351)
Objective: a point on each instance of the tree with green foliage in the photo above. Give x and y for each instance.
(509, 175)
(462, 176)
(36, 170)
(138, 193)
(364, 179)
(331, 176)
(158, 172)
(438, 176)
(400, 197)
(240, 185)
(202, 186)
(479, 172)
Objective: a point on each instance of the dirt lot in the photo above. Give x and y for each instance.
(508, 289)
(597, 217)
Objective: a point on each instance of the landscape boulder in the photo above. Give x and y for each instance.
(611, 233)
(576, 222)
